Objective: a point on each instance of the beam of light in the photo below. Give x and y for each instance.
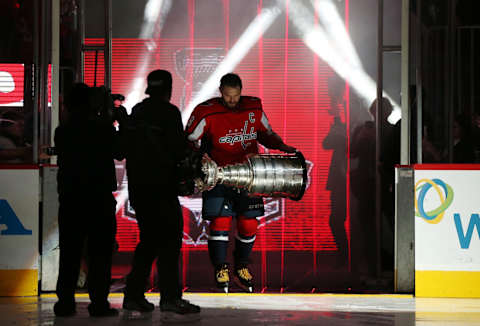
(333, 23)
(154, 17)
(246, 41)
(137, 90)
(122, 195)
(315, 37)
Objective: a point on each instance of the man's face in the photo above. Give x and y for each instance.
(231, 96)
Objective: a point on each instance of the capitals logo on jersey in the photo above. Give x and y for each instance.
(241, 136)
(232, 133)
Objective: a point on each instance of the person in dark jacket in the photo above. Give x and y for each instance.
(120, 114)
(156, 147)
(86, 145)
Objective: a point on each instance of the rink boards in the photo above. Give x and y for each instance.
(447, 230)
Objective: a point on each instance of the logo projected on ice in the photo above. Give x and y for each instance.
(446, 197)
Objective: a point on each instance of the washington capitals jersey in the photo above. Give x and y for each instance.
(231, 134)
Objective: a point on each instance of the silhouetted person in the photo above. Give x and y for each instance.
(120, 120)
(336, 141)
(363, 182)
(120, 114)
(86, 146)
(463, 144)
(389, 157)
(156, 147)
(362, 149)
(430, 154)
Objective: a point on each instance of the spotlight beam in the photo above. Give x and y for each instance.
(246, 41)
(154, 17)
(334, 26)
(316, 38)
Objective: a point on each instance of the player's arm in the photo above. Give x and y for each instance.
(270, 139)
(196, 132)
(196, 129)
(191, 166)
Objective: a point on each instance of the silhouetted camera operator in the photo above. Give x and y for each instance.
(86, 144)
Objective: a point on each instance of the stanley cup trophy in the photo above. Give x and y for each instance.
(262, 175)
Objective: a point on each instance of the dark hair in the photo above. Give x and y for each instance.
(231, 80)
(159, 83)
(386, 109)
(119, 97)
(78, 98)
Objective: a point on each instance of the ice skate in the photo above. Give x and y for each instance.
(244, 278)
(222, 278)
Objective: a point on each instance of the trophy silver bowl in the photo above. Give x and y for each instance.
(262, 175)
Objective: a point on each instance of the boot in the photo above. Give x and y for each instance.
(64, 309)
(103, 310)
(244, 278)
(179, 306)
(139, 304)
(221, 277)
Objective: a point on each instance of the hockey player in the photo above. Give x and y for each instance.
(228, 129)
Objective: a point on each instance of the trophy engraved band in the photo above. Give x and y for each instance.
(262, 175)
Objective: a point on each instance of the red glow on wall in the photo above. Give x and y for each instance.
(296, 103)
(12, 79)
(11, 84)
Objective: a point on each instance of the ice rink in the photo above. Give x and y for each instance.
(261, 309)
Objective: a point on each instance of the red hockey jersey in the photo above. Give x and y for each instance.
(231, 134)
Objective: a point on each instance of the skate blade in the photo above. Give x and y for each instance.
(136, 315)
(223, 287)
(248, 289)
(174, 318)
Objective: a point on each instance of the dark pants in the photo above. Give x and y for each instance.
(160, 222)
(224, 201)
(92, 223)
